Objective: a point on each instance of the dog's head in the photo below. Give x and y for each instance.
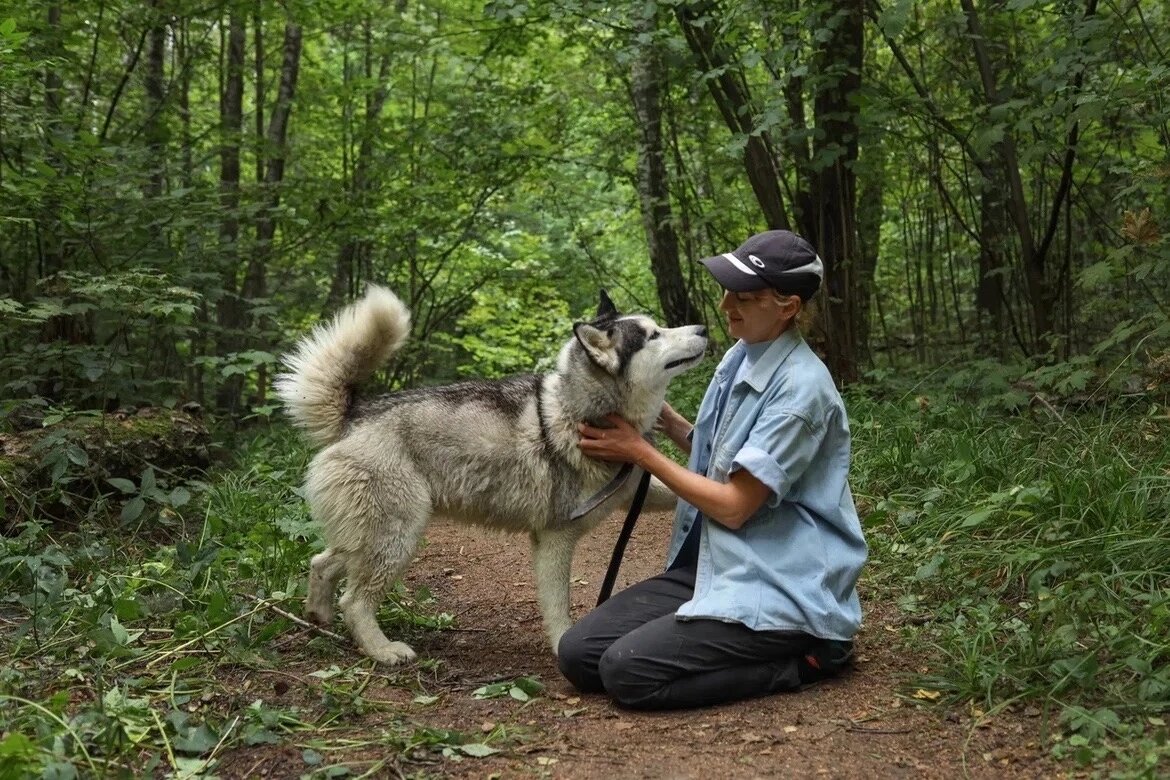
(635, 349)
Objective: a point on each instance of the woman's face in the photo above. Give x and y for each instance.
(757, 316)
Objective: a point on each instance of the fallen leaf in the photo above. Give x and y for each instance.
(487, 726)
(789, 729)
(571, 713)
(573, 700)
(922, 693)
(545, 760)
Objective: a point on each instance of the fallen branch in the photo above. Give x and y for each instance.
(863, 730)
(1049, 407)
(298, 620)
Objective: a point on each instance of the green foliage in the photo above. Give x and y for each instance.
(1034, 545)
(512, 330)
(521, 689)
(126, 651)
(118, 333)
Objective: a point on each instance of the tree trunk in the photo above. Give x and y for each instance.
(730, 91)
(831, 225)
(154, 130)
(647, 80)
(230, 310)
(347, 269)
(49, 241)
(869, 235)
(989, 298)
(255, 280)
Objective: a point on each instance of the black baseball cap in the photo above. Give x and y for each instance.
(778, 259)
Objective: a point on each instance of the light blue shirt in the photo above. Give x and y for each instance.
(794, 564)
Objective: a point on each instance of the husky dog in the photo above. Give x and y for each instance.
(502, 453)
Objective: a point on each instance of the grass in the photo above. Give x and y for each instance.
(1033, 551)
(1029, 551)
(137, 648)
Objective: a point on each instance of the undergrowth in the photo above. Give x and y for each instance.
(1031, 552)
(156, 644)
(1028, 546)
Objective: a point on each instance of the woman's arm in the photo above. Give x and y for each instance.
(676, 427)
(730, 504)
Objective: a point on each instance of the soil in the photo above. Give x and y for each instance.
(865, 724)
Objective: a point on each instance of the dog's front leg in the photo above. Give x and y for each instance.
(552, 558)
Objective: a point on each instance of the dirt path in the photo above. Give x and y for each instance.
(859, 726)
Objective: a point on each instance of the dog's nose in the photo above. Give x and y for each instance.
(702, 331)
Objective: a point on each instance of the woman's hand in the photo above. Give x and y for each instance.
(622, 442)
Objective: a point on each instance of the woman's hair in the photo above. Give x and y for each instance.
(806, 316)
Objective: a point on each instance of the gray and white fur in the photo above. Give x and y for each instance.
(501, 454)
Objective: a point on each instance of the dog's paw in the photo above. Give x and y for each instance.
(393, 653)
(319, 615)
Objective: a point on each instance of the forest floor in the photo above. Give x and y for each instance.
(869, 723)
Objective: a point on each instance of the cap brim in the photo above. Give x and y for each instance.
(732, 278)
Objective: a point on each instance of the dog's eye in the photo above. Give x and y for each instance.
(654, 335)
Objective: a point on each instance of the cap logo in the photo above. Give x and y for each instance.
(757, 262)
(738, 265)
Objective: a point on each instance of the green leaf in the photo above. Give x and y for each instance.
(477, 749)
(492, 691)
(179, 496)
(133, 509)
(529, 685)
(198, 740)
(977, 518)
(16, 744)
(77, 455)
(125, 485)
(123, 636)
(312, 757)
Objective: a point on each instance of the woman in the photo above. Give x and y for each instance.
(758, 596)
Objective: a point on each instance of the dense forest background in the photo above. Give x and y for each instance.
(187, 185)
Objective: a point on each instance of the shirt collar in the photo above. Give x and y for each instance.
(774, 353)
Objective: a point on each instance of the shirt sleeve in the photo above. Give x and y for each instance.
(778, 450)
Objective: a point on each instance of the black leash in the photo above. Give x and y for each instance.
(606, 491)
(619, 549)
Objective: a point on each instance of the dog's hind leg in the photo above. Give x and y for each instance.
(325, 569)
(552, 557)
(397, 514)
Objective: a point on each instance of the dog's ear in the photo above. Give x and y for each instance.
(606, 308)
(598, 346)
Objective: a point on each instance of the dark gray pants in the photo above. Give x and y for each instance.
(634, 649)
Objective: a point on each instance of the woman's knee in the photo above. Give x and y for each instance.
(577, 660)
(622, 677)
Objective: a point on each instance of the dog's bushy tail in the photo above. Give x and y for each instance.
(317, 389)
